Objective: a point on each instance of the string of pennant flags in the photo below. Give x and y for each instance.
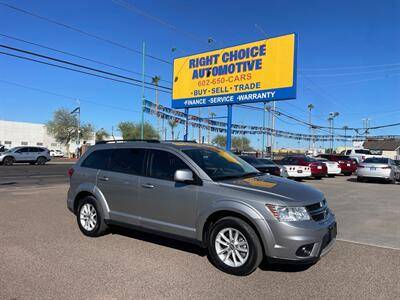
(179, 117)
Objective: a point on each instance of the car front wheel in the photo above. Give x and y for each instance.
(8, 161)
(234, 247)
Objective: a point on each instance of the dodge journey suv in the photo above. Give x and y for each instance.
(202, 194)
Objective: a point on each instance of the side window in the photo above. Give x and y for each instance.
(127, 160)
(23, 150)
(33, 149)
(348, 152)
(98, 159)
(164, 164)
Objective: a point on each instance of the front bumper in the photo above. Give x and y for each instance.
(285, 239)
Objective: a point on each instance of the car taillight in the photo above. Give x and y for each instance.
(70, 172)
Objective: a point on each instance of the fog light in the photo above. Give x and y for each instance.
(305, 250)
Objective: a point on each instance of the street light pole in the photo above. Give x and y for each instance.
(332, 116)
(263, 134)
(273, 129)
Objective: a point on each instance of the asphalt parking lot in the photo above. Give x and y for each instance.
(43, 255)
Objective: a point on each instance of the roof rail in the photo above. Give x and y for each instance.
(180, 141)
(124, 141)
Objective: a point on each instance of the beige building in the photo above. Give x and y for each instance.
(389, 148)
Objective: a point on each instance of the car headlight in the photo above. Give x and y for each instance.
(289, 214)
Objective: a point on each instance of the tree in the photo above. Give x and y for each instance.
(155, 80)
(172, 123)
(239, 143)
(101, 134)
(64, 127)
(132, 131)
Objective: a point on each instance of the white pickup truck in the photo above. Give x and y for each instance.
(359, 155)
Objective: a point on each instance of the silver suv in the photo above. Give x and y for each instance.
(202, 194)
(32, 155)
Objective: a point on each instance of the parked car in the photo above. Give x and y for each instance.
(347, 164)
(264, 166)
(378, 168)
(333, 168)
(3, 148)
(56, 153)
(282, 170)
(202, 194)
(317, 168)
(359, 155)
(32, 155)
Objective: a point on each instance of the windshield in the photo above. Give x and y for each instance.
(363, 151)
(266, 161)
(220, 164)
(376, 160)
(251, 160)
(12, 149)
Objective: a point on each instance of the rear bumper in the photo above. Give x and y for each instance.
(368, 174)
(286, 239)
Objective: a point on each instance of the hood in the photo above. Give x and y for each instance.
(281, 190)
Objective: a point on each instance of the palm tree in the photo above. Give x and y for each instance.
(172, 123)
(155, 81)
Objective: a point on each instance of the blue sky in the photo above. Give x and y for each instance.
(348, 56)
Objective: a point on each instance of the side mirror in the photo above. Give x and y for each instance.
(183, 175)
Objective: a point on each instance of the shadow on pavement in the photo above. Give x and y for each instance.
(159, 240)
(283, 267)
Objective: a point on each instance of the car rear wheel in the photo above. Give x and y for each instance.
(347, 174)
(90, 217)
(8, 161)
(234, 247)
(41, 160)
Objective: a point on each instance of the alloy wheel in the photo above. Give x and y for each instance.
(88, 217)
(232, 247)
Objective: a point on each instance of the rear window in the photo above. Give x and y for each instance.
(250, 160)
(376, 160)
(363, 151)
(98, 159)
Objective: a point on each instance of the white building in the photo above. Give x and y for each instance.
(13, 134)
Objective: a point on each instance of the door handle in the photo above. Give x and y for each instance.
(104, 178)
(147, 185)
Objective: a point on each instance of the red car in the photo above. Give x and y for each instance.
(347, 164)
(318, 169)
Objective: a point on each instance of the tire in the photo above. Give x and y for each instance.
(95, 225)
(230, 251)
(8, 161)
(318, 177)
(32, 163)
(331, 175)
(41, 160)
(347, 174)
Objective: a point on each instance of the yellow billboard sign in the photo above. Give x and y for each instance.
(259, 71)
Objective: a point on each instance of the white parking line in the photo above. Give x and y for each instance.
(368, 244)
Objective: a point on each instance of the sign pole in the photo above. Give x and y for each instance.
(229, 129)
(185, 136)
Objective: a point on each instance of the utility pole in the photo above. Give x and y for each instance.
(345, 127)
(209, 126)
(310, 108)
(143, 98)
(273, 129)
(199, 126)
(263, 133)
(332, 116)
(79, 123)
(366, 125)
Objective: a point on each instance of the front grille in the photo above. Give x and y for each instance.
(318, 211)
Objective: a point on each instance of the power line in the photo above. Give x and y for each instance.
(83, 32)
(75, 70)
(67, 97)
(80, 66)
(352, 67)
(136, 10)
(77, 56)
(348, 74)
(362, 80)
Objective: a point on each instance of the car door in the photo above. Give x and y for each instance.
(119, 183)
(22, 154)
(166, 205)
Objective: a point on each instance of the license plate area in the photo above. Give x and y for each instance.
(372, 168)
(299, 171)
